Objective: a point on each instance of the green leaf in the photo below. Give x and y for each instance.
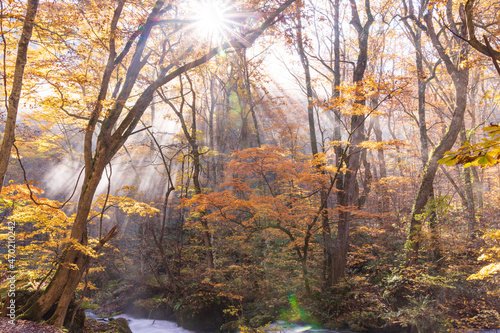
(483, 160)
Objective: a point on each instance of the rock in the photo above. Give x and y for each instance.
(121, 325)
(260, 320)
(208, 319)
(230, 327)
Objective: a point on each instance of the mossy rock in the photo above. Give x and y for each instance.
(121, 325)
(260, 320)
(230, 327)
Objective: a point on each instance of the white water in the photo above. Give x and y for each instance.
(152, 326)
(163, 326)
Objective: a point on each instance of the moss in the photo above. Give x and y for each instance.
(121, 325)
(260, 320)
(230, 327)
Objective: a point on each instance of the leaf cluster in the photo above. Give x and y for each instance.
(485, 153)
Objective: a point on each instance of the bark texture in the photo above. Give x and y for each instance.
(17, 85)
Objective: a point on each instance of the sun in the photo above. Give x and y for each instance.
(212, 20)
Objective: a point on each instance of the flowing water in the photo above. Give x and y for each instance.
(163, 326)
(152, 326)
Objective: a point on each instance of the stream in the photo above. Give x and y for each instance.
(152, 326)
(163, 326)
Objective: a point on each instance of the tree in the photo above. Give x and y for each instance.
(325, 218)
(485, 48)
(117, 123)
(485, 154)
(459, 73)
(12, 104)
(347, 195)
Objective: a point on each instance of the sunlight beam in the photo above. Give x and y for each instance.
(212, 20)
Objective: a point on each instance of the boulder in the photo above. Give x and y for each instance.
(208, 319)
(230, 327)
(121, 325)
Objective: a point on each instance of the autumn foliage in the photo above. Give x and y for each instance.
(327, 163)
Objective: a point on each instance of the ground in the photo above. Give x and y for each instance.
(24, 326)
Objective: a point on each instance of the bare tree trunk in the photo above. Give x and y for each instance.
(469, 194)
(309, 91)
(348, 197)
(325, 218)
(380, 152)
(336, 265)
(366, 182)
(192, 138)
(250, 98)
(337, 136)
(17, 85)
(460, 77)
(422, 125)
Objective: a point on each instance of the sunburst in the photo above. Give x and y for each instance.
(217, 20)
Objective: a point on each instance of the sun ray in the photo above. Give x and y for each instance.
(219, 22)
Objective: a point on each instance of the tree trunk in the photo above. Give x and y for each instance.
(460, 77)
(325, 218)
(74, 263)
(17, 85)
(191, 136)
(348, 197)
(309, 91)
(430, 171)
(469, 193)
(248, 87)
(424, 143)
(337, 135)
(380, 152)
